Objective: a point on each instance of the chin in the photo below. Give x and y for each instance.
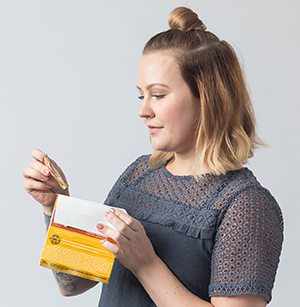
(160, 145)
(161, 148)
(157, 147)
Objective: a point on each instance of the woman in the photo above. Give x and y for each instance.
(201, 231)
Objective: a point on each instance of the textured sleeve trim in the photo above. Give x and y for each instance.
(230, 290)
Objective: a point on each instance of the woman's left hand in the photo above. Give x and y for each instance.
(134, 249)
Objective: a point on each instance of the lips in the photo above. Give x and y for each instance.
(154, 129)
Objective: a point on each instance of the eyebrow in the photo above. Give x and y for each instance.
(153, 84)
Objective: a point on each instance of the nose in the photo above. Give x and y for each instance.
(146, 110)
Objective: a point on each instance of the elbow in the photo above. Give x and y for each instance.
(70, 285)
(75, 288)
(67, 293)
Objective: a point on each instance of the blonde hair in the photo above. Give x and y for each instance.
(226, 127)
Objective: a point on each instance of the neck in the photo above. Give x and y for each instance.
(181, 165)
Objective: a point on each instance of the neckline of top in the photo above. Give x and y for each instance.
(205, 176)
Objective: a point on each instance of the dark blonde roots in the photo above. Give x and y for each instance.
(226, 127)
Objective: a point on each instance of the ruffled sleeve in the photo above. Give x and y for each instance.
(247, 245)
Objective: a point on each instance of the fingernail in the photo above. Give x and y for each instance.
(106, 214)
(48, 186)
(99, 226)
(112, 210)
(46, 172)
(43, 177)
(103, 241)
(42, 157)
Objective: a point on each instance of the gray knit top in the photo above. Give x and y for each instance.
(220, 235)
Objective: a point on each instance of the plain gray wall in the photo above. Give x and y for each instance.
(68, 86)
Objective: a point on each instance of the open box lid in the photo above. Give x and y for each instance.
(80, 214)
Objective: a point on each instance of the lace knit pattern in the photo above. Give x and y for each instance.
(234, 210)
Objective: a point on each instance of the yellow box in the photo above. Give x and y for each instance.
(73, 244)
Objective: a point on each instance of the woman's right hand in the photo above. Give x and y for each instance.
(39, 183)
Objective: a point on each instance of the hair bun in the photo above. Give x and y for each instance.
(184, 19)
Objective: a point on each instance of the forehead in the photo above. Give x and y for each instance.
(159, 66)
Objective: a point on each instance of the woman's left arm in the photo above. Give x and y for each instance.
(136, 253)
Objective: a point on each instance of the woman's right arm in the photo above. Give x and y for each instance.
(39, 183)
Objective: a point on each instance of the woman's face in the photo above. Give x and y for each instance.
(168, 108)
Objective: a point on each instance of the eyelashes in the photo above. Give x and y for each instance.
(158, 96)
(153, 96)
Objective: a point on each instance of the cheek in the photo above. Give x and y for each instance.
(172, 115)
(179, 113)
(187, 124)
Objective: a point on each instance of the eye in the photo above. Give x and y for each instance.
(158, 96)
(141, 97)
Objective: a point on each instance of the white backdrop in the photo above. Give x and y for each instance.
(68, 86)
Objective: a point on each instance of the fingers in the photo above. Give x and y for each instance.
(134, 248)
(30, 184)
(34, 179)
(119, 217)
(38, 155)
(31, 173)
(126, 226)
(121, 238)
(39, 183)
(40, 168)
(116, 250)
(36, 176)
(37, 170)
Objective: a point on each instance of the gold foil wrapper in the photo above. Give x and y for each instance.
(55, 173)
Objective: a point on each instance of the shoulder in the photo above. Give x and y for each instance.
(142, 161)
(242, 184)
(253, 192)
(135, 169)
(243, 192)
